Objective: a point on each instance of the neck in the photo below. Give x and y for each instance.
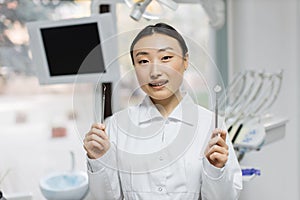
(166, 106)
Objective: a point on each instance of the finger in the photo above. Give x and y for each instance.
(94, 146)
(217, 141)
(213, 141)
(93, 149)
(85, 147)
(218, 158)
(89, 154)
(220, 142)
(96, 138)
(98, 132)
(89, 143)
(103, 141)
(98, 126)
(219, 132)
(216, 151)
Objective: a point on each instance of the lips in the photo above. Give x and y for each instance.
(158, 84)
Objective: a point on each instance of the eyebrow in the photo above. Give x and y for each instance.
(159, 50)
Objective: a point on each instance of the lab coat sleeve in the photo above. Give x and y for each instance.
(222, 184)
(104, 182)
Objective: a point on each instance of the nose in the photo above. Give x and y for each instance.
(155, 71)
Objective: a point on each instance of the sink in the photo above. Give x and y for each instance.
(70, 185)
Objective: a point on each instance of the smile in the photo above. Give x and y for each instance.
(158, 83)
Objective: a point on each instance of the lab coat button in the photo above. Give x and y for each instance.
(161, 158)
(160, 189)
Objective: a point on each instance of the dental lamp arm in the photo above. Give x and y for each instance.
(169, 3)
(139, 9)
(215, 9)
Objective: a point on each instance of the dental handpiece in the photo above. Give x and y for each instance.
(217, 89)
(103, 103)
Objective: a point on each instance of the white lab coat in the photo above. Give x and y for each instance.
(156, 158)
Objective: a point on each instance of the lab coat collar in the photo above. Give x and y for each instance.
(149, 112)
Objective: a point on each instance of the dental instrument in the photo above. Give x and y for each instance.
(247, 131)
(263, 99)
(238, 111)
(249, 111)
(103, 103)
(238, 80)
(243, 99)
(217, 89)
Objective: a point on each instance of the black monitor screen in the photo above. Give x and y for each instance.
(67, 47)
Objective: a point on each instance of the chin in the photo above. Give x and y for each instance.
(161, 96)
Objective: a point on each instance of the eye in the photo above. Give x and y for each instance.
(143, 61)
(166, 58)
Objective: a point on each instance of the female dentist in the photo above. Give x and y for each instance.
(165, 147)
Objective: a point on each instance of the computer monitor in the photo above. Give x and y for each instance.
(75, 50)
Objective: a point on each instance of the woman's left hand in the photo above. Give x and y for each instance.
(217, 149)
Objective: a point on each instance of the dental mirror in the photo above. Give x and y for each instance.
(217, 89)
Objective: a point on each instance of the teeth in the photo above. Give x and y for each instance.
(158, 84)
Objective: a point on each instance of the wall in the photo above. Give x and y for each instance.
(264, 35)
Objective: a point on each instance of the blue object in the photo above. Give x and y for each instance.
(250, 172)
(64, 185)
(67, 181)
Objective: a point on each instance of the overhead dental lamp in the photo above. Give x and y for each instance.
(149, 9)
(156, 9)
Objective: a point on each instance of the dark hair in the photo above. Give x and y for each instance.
(161, 28)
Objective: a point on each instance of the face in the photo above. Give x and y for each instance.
(159, 66)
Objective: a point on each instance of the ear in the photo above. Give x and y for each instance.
(186, 61)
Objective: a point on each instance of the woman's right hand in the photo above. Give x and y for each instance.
(96, 142)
